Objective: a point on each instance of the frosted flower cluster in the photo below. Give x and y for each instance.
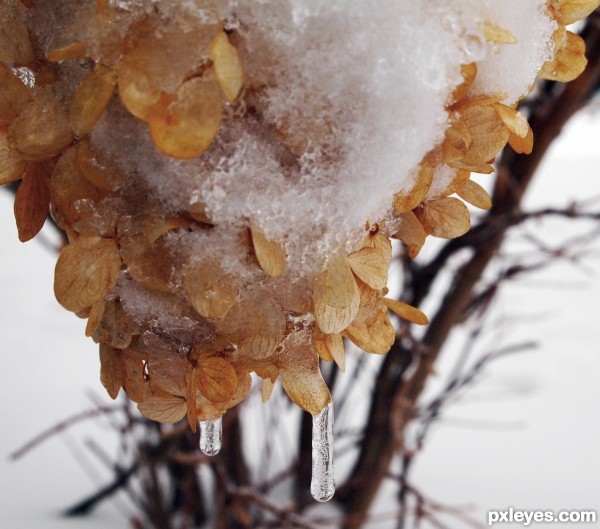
(229, 173)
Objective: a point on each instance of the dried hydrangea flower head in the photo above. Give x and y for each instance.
(230, 174)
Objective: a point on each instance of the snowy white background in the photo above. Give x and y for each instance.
(527, 436)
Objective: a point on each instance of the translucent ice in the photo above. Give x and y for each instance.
(322, 485)
(211, 432)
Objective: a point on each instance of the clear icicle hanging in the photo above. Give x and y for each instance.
(322, 485)
(211, 433)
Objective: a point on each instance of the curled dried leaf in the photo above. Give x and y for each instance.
(227, 64)
(446, 218)
(372, 262)
(32, 202)
(270, 254)
(185, 124)
(568, 63)
(406, 311)
(336, 296)
(14, 96)
(95, 317)
(217, 379)
(474, 194)
(91, 98)
(210, 290)
(86, 271)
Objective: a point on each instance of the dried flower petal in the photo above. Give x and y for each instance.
(165, 409)
(41, 131)
(15, 46)
(474, 194)
(406, 311)
(112, 372)
(217, 379)
(446, 218)
(228, 68)
(404, 202)
(210, 290)
(69, 52)
(12, 166)
(411, 233)
(372, 261)
(372, 330)
(184, 125)
(91, 98)
(488, 133)
(336, 297)
(568, 62)
(330, 347)
(32, 202)
(573, 10)
(270, 254)
(86, 271)
(14, 96)
(494, 33)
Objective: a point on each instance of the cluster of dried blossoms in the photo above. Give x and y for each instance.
(227, 328)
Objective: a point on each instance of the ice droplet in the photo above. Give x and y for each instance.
(474, 46)
(210, 436)
(322, 485)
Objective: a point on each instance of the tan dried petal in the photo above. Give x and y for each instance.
(91, 98)
(32, 202)
(513, 119)
(266, 389)
(406, 311)
(270, 254)
(227, 65)
(95, 317)
(86, 271)
(336, 296)
(488, 133)
(573, 10)
(15, 46)
(522, 145)
(372, 330)
(166, 409)
(116, 328)
(14, 96)
(569, 61)
(494, 33)
(446, 218)
(330, 347)
(301, 378)
(469, 72)
(372, 262)
(134, 381)
(210, 290)
(184, 125)
(457, 141)
(41, 131)
(217, 379)
(12, 166)
(112, 372)
(411, 233)
(474, 194)
(368, 295)
(98, 170)
(69, 52)
(404, 202)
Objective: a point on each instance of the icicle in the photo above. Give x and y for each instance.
(210, 436)
(322, 485)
